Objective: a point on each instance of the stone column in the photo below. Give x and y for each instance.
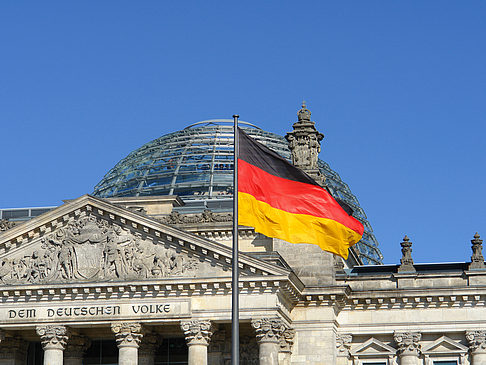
(198, 334)
(477, 346)
(286, 343)
(148, 346)
(127, 336)
(53, 340)
(343, 345)
(268, 332)
(409, 348)
(75, 349)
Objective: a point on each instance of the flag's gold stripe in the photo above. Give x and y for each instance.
(328, 234)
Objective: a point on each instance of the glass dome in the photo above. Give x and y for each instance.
(196, 163)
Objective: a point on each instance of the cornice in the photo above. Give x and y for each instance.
(176, 287)
(15, 238)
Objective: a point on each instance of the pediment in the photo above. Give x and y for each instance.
(373, 347)
(92, 240)
(444, 345)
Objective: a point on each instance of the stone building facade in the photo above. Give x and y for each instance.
(132, 280)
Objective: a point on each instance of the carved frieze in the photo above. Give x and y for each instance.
(205, 217)
(197, 332)
(127, 334)
(268, 329)
(53, 337)
(90, 248)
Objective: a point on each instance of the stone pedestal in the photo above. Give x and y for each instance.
(75, 349)
(198, 335)
(269, 333)
(53, 340)
(127, 336)
(409, 349)
(477, 346)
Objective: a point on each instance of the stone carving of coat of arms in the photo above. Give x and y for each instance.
(93, 249)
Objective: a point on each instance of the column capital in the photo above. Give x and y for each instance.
(343, 344)
(197, 332)
(287, 340)
(268, 329)
(127, 334)
(77, 346)
(477, 341)
(53, 337)
(408, 343)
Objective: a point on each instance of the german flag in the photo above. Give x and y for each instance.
(281, 201)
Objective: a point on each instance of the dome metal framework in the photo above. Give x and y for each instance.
(196, 163)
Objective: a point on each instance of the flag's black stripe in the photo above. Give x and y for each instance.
(264, 158)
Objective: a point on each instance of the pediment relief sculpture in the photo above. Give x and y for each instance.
(89, 248)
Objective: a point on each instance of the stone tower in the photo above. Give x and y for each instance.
(305, 144)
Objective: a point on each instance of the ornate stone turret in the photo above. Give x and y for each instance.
(406, 260)
(305, 144)
(477, 259)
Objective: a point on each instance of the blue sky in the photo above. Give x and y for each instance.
(398, 88)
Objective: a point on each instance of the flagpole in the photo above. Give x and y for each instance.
(235, 317)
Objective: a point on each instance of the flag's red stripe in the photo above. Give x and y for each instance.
(292, 196)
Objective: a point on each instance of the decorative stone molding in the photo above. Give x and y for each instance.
(287, 340)
(205, 217)
(53, 337)
(477, 259)
(268, 329)
(127, 334)
(77, 346)
(197, 332)
(149, 344)
(408, 343)
(94, 249)
(406, 260)
(477, 340)
(343, 344)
